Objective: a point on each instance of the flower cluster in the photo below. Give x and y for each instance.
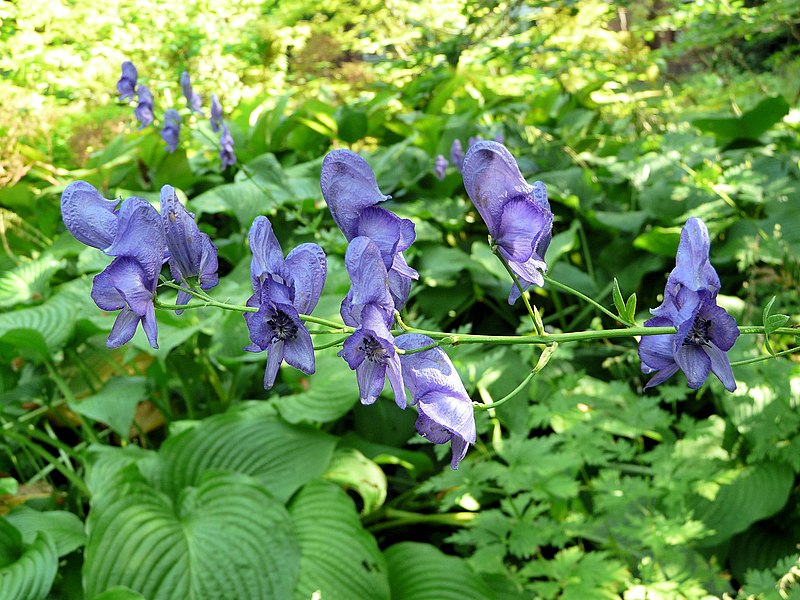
(705, 331)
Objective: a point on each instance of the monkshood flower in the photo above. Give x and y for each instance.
(226, 154)
(457, 155)
(369, 307)
(192, 255)
(129, 283)
(88, 216)
(144, 110)
(351, 192)
(445, 409)
(283, 289)
(705, 331)
(193, 99)
(171, 132)
(517, 215)
(127, 82)
(440, 166)
(216, 114)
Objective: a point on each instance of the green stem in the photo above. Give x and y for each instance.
(330, 344)
(508, 396)
(401, 518)
(750, 361)
(535, 319)
(582, 296)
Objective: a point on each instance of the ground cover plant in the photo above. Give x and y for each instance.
(494, 300)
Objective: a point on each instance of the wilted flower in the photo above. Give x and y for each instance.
(445, 409)
(283, 289)
(226, 154)
(457, 155)
(88, 215)
(171, 132)
(216, 114)
(144, 110)
(351, 192)
(705, 331)
(369, 307)
(193, 99)
(517, 215)
(127, 82)
(440, 166)
(192, 255)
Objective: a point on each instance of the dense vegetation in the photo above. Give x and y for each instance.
(134, 472)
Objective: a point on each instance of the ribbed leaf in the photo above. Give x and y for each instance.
(351, 469)
(28, 280)
(26, 571)
(423, 572)
(65, 528)
(227, 538)
(119, 593)
(340, 559)
(280, 456)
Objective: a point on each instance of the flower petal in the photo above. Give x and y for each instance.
(370, 284)
(88, 216)
(692, 267)
(183, 238)
(661, 376)
(383, 228)
(721, 366)
(308, 268)
(522, 223)
(299, 352)
(370, 377)
(656, 351)
(275, 353)
(694, 363)
(723, 330)
(123, 329)
(140, 235)
(266, 250)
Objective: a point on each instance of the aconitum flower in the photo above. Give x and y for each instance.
(192, 255)
(193, 99)
(226, 154)
(369, 307)
(705, 331)
(127, 82)
(216, 114)
(144, 110)
(457, 155)
(445, 409)
(351, 192)
(283, 289)
(171, 132)
(440, 166)
(517, 215)
(88, 215)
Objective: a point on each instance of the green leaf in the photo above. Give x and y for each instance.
(27, 281)
(18, 340)
(659, 240)
(65, 528)
(352, 470)
(245, 200)
(27, 571)
(771, 323)
(340, 559)
(619, 303)
(352, 125)
(228, 537)
(751, 124)
(119, 592)
(423, 572)
(630, 308)
(115, 405)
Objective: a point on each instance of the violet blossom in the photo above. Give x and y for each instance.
(193, 100)
(127, 82)
(88, 216)
(144, 109)
(216, 114)
(226, 154)
(440, 166)
(172, 129)
(457, 155)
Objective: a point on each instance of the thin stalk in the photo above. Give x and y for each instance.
(535, 319)
(330, 344)
(750, 361)
(50, 459)
(401, 518)
(582, 296)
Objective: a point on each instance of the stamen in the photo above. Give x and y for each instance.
(373, 350)
(283, 326)
(698, 335)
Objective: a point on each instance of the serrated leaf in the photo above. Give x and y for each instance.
(352, 470)
(65, 528)
(423, 572)
(340, 559)
(227, 538)
(27, 281)
(26, 571)
(114, 405)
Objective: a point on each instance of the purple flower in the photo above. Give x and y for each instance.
(705, 331)
(144, 110)
(351, 192)
(88, 215)
(440, 166)
(283, 289)
(129, 283)
(517, 215)
(369, 307)
(226, 154)
(171, 132)
(192, 255)
(216, 114)
(127, 82)
(457, 155)
(193, 99)
(445, 409)
(474, 139)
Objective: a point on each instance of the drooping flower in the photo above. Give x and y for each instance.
(216, 114)
(445, 409)
(283, 289)
(517, 215)
(440, 166)
(351, 192)
(193, 100)
(127, 82)
(144, 109)
(88, 215)
(457, 155)
(705, 331)
(171, 132)
(226, 154)
(192, 254)
(369, 307)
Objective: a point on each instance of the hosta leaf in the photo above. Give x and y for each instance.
(351, 469)
(114, 405)
(340, 559)
(119, 593)
(226, 538)
(65, 528)
(423, 572)
(27, 571)
(27, 281)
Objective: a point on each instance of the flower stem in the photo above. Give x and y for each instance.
(582, 296)
(535, 318)
(750, 361)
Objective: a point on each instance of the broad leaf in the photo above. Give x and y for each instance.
(352, 470)
(65, 528)
(27, 571)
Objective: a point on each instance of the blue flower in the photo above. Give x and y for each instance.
(283, 289)
(171, 132)
(445, 409)
(517, 215)
(88, 215)
(216, 114)
(457, 155)
(144, 109)
(369, 307)
(127, 82)
(440, 166)
(705, 331)
(192, 255)
(226, 154)
(193, 99)
(351, 192)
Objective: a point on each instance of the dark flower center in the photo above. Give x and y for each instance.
(373, 350)
(698, 335)
(283, 326)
